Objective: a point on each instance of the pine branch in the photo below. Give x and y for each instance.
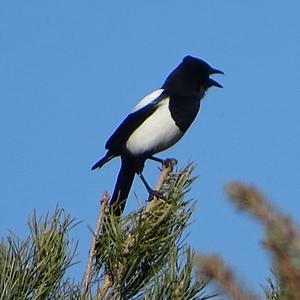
(282, 236)
(35, 268)
(213, 268)
(137, 249)
(144, 255)
(178, 279)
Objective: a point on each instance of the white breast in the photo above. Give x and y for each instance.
(155, 134)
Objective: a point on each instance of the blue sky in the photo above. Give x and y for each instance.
(70, 71)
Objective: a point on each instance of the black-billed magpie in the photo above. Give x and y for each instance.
(156, 123)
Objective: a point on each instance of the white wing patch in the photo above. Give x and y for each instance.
(148, 99)
(156, 133)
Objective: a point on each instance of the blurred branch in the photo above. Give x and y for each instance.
(213, 268)
(282, 236)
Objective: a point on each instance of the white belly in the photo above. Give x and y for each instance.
(157, 133)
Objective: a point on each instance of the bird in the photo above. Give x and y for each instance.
(156, 123)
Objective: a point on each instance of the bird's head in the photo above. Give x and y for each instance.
(191, 78)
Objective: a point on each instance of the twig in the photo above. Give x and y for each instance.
(99, 228)
(106, 284)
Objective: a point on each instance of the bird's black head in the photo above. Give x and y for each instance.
(191, 78)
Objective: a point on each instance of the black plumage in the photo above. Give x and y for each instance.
(157, 122)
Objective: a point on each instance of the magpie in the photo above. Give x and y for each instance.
(156, 123)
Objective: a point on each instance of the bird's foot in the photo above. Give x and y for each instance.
(152, 193)
(169, 162)
(156, 194)
(165, 162)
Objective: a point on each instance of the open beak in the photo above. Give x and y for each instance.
(213, 82)
(215, 71)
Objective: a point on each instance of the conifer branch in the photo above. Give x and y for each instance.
(136, 250)
(144, 255)
(282, 236)
(35, 268)
(213, 268)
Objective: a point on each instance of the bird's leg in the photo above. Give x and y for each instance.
(152, 193)
(166, 162)
(156, 159)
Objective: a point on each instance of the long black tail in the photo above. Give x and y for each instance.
(123, 186)
(103, 161)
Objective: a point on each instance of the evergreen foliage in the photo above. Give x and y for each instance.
(36, 268)
(140, 256)
(145, 254)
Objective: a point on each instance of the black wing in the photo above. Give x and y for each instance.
(118, 139)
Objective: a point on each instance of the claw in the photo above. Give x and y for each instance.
(169, 162)
(156, 194)
(165, 162)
